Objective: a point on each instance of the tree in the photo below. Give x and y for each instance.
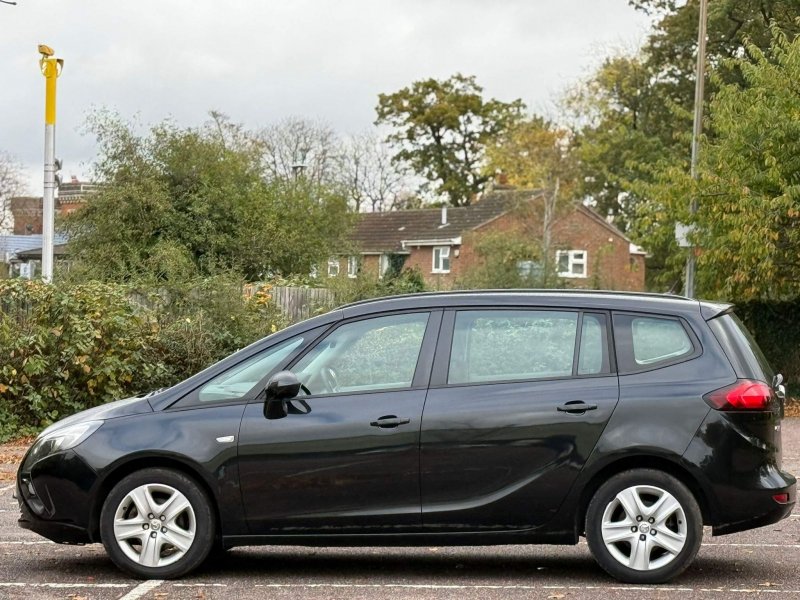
(634, 114)
(297, 146)
(369, 177)
(178, 202)
(748, 219)
(538, 154)
(10, 185)
(441, 130)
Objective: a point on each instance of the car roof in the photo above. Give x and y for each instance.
(594, 299)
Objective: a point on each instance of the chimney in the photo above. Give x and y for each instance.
(444, 215)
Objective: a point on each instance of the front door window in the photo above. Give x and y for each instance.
(368, 355)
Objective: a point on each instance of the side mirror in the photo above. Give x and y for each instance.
(281, 387)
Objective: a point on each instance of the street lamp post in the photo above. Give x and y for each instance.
(697, 130)
(51, 69)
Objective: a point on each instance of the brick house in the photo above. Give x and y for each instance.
(440, 242)
(26, 211)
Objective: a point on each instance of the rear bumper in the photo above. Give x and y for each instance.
(735, 459)
(757, 501)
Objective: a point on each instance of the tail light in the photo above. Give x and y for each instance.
(745, 394)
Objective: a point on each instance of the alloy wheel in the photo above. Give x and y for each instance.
(644, 527)
(155, 525)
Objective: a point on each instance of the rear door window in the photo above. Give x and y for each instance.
(508, 345)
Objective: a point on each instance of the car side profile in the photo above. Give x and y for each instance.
(458, 418)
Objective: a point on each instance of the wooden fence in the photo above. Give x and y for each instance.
(297, 303)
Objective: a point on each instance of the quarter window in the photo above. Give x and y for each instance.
(373, 354)
(571, 263)
(656, 340)
(511, 345)
(441, 259)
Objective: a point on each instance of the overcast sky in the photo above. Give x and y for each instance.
(261, 61)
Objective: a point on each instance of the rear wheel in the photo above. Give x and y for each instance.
(157, 524)
(644, 526)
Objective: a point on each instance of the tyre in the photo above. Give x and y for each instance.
(644, 526)
(157, 524)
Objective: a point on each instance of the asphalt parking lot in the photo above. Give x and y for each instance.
(761, 562)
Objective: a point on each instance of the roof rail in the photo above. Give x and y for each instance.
(524, 291)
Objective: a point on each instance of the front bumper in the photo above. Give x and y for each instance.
(57, 531)
(54, 497)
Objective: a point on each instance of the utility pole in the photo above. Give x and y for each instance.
(51, 69)
(696, 131)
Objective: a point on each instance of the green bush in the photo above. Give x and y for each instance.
(205, 320)
(363, 287)
(68, 347)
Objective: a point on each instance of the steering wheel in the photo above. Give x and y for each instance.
(329, 376)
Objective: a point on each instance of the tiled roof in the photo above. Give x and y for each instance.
(386, 231)
(11, 245)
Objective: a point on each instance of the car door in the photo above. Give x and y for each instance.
(518, 400)
(346, 457)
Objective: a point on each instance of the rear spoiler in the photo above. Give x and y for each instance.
(712, 310)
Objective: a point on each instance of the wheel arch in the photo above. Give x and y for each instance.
(120, 471)
(627, 463)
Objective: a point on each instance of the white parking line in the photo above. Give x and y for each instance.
(751, 545)
(141, 589)
(615, 588)
(5, 488)
(64, 585)
(24, 542)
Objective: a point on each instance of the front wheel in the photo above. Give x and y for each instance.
(157, 524)
(644, 526)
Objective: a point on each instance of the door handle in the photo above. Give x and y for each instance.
(576, 406)
(389, 421)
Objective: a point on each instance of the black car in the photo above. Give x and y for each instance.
(463, 418)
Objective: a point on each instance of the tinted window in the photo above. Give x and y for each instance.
(593, 358)
(372, 354)
(741, 348)
(657, 340)
(507, 345)
(237, 381)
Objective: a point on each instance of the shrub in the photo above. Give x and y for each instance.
(345, 290)
(67, 348)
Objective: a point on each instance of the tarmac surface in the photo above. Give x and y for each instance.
(763, 562)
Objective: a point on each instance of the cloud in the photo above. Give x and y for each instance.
(259, 62)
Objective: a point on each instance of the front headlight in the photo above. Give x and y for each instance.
(61, 439)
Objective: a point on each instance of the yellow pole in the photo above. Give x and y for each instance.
(51, 69)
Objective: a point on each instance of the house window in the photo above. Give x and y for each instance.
(333, 267)
(571, 263)
(441, 259)
(352, 266)
(383, 264)
(529, 269)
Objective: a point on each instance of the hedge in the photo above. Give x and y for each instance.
(65, 348)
